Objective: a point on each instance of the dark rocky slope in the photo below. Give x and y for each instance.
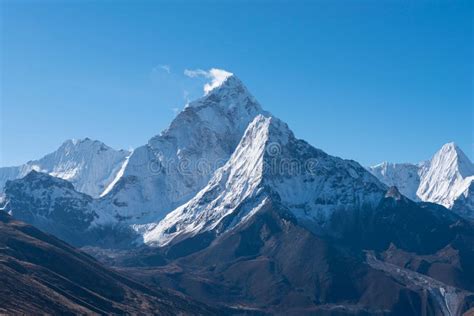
(400, 259)
(41, 274)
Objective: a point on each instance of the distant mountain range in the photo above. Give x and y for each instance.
(229, 207)
(447, 179)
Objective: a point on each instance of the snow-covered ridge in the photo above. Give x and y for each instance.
(270, 164)
(405, 176)
(88, 164)
(236, 181)
(445, 179)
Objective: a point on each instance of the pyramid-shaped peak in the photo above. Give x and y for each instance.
(228, 84)
(451, 156)
(220, 78)
(445, 176)
(450, 147)
(227, 91)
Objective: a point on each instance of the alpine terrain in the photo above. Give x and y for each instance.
(228, 207)
(42, 273)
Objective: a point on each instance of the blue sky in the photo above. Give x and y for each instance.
(366, 80)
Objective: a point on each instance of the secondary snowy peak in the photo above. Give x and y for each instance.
(450, 173)
(88, 164)
(446, 179)
(453, 160)
(270, 165)
(35, 180)
(177, 163)
(49, 203)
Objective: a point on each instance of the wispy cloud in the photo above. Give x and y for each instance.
(165, 68)
(196, 73)
(217, 76)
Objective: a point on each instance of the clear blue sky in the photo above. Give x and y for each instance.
(367, 80)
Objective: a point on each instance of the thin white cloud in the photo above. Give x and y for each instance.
(196, 73)
(217, 76)
(165, 68)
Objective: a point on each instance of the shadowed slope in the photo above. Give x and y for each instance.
(41, 274)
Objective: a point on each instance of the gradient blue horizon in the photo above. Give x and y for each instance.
(371, 81)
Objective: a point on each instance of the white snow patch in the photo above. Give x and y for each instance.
(117, 177)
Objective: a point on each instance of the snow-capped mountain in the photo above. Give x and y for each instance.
(177, 170)
(271, 166)
(90, 165)
(446, 179)
(450, 173)
(283, 220)
(173, 166)
(51, 204)
(157, 177)
(236, 211)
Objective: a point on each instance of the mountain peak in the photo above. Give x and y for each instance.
(271, 130)
(452, 157)
(270, 164)
(445, 176)
(177, 163)
(450, 149)
(229, 82)
(229, 92)
(444, 179)
(220, 78)
(33, 178)
(88, 164)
